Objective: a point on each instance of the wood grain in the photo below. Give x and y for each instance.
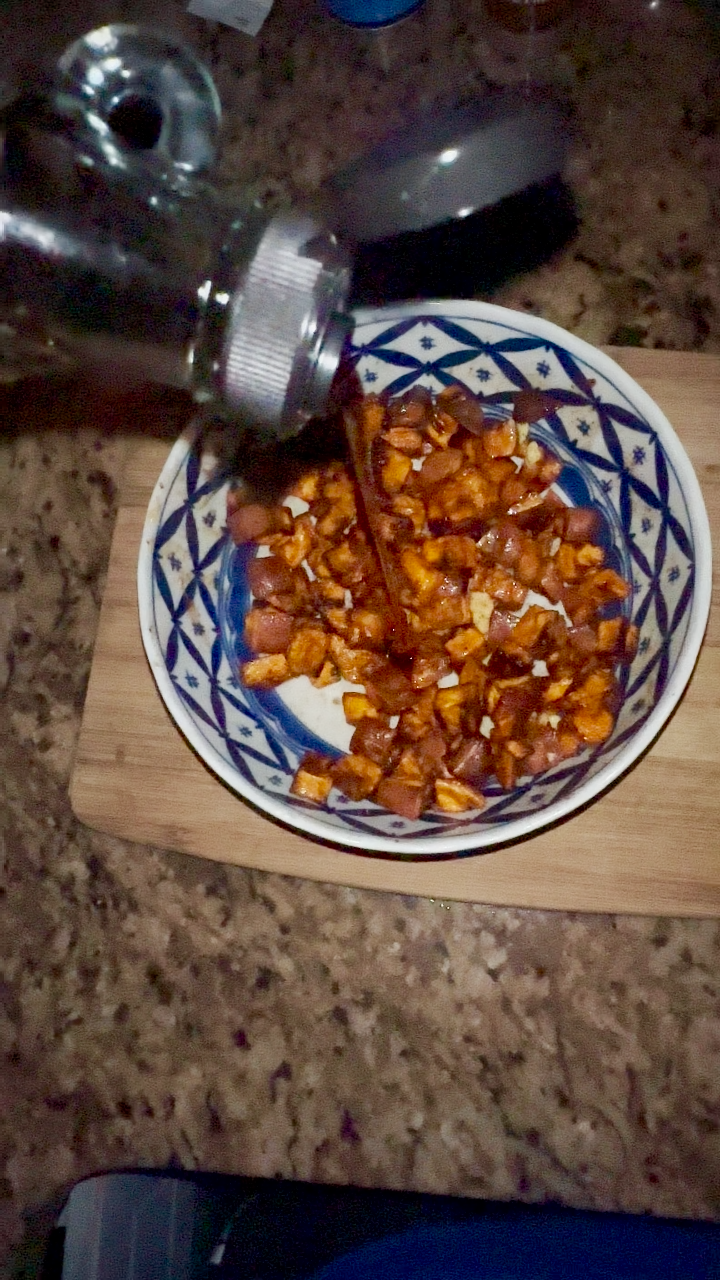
(651, 845)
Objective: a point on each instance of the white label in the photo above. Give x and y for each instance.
(244, 15)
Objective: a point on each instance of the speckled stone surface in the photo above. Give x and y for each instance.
(155, 1009)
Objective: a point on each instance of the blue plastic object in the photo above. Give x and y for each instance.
(188, 1226)
(371, 13)
(548, 1247)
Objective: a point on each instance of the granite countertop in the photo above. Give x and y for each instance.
(155, 1009)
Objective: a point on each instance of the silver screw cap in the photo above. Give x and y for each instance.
(286, 327)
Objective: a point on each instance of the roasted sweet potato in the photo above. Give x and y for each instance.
(476, 679)
(356, 776)
(374, 738)
(268, 630)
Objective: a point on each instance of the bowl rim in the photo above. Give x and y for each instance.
(481, 838)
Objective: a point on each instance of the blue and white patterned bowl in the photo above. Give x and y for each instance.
(618, 450)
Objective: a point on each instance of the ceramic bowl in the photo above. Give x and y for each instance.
(618, 451)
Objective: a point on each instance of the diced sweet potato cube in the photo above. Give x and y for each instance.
(500, 629)
(308, 786)
(306, 651)
(534, 457)
(456, 550)
(351, 663)
(441, 429)
(454, 796)
(496, 469)
(481, 609)
(502, 686)
(583, 639)
(430, 754)
(593, 689)
(403, 796)
(511, 712)
(265, 672)
(429, 664)
(551, 583)
(424, 580)
(390, 690)
(580, 524)
(593, 726)
(419, 719)
(338, 619)
(353, 561)
(529, 566)
(356, 776)
(501, 586)
(339, 487)
(439, 466)
(374, 738)
(569, 742)
(544, 752)
(602, 585)
(528, 629)
(506, 769)
(326, 591)
(503, 543)
(339, 515)
(308, 486)
(513, 491)
(463, 407)
(407, 439)
(445, 614)
(472, 673)
(373, 416)
(500, 441)
(367, 629)
(557, 689)
(268, 630)
(466, 641)
(472, 760)
(341, 560)
(328, 674)
(313, 780)
(395, 470)
(530, 502)
(549, 470)
(357, 706)
(411, 508)
(408, 766)
(632, 635)
(449, 704)
(589, 556)
(566, 561)
(411, 409)
(294, 548)
(608, 634)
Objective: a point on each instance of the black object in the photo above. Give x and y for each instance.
(470, 256)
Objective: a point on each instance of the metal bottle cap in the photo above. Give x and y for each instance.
(285, 330)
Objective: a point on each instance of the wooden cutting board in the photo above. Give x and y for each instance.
(651, 845)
